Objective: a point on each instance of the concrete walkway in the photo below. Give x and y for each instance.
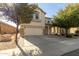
(43, 46)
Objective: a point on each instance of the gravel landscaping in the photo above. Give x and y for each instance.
(7, 41)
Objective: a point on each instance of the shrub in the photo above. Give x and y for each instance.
(77, 33)
(70, 36)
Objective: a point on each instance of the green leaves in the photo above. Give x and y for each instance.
(68, 17)
(25, 12)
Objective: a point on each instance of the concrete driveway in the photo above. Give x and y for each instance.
(43, 46)
(52, 45)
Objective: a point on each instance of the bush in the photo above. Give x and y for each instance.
(77, 33)
(62, 34)
(70, 36)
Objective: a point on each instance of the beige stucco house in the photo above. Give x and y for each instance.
(36, 26)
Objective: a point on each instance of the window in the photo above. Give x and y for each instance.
(48, 22)
(36, 15)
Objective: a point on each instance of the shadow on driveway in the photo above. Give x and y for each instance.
(72, 53)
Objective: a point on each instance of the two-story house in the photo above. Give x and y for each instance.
(37, 25)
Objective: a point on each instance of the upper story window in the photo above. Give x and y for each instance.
(48, 22)
(36, 15)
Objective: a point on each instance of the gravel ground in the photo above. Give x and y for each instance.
(6, 42)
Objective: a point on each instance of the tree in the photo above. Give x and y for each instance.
(23, 12)
(19, 12)
(68, 17)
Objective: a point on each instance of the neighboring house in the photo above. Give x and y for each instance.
(48, 23)
(48, 20)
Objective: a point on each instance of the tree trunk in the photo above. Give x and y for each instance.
(57, 30)
(60, 30)
(54, 30)
(17, 31)
(48, 29)
(66, 32)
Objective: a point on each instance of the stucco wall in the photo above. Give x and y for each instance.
(33, 31)
(41, 19)
(5, 28)
(71, 30)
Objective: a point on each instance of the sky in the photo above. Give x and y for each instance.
(52, 8)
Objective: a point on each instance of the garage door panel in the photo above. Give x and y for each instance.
(33, 31)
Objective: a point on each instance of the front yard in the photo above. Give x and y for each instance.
(7, 41)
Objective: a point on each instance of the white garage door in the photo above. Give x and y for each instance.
(33, 31)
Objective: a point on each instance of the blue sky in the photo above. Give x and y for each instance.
(51, 8)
